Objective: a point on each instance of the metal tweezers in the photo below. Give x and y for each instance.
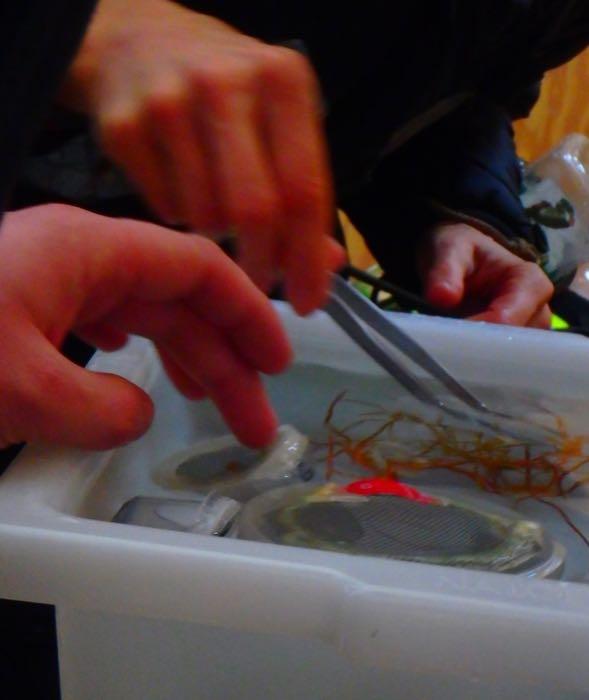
(374, 331)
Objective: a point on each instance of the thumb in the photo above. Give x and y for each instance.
(48, 398)
(443, 279)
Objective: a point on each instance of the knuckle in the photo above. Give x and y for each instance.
(255, 211)
(285, 64)
(205, 247)
(60, 224)
(162, 105)
(304, 195)
(116, 130)
(224, 78)
(56, 213)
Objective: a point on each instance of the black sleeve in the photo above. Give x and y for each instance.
(38, 38)
(463, 168)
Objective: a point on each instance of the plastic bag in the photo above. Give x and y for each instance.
(556, 197)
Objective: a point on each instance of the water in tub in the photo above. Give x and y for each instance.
(303, 398)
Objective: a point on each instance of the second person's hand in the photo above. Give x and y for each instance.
(466, 271)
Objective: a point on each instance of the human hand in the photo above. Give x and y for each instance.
(66, 269)
(219, 131)
(466, 271)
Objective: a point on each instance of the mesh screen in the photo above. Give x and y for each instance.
(399, 528)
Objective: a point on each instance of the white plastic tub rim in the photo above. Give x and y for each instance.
(57, 546)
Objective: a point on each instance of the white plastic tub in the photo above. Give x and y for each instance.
(155, 615)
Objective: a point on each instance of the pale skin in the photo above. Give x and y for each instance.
(222, 132)
(466, 271)
(65, 269)
(219, 131)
